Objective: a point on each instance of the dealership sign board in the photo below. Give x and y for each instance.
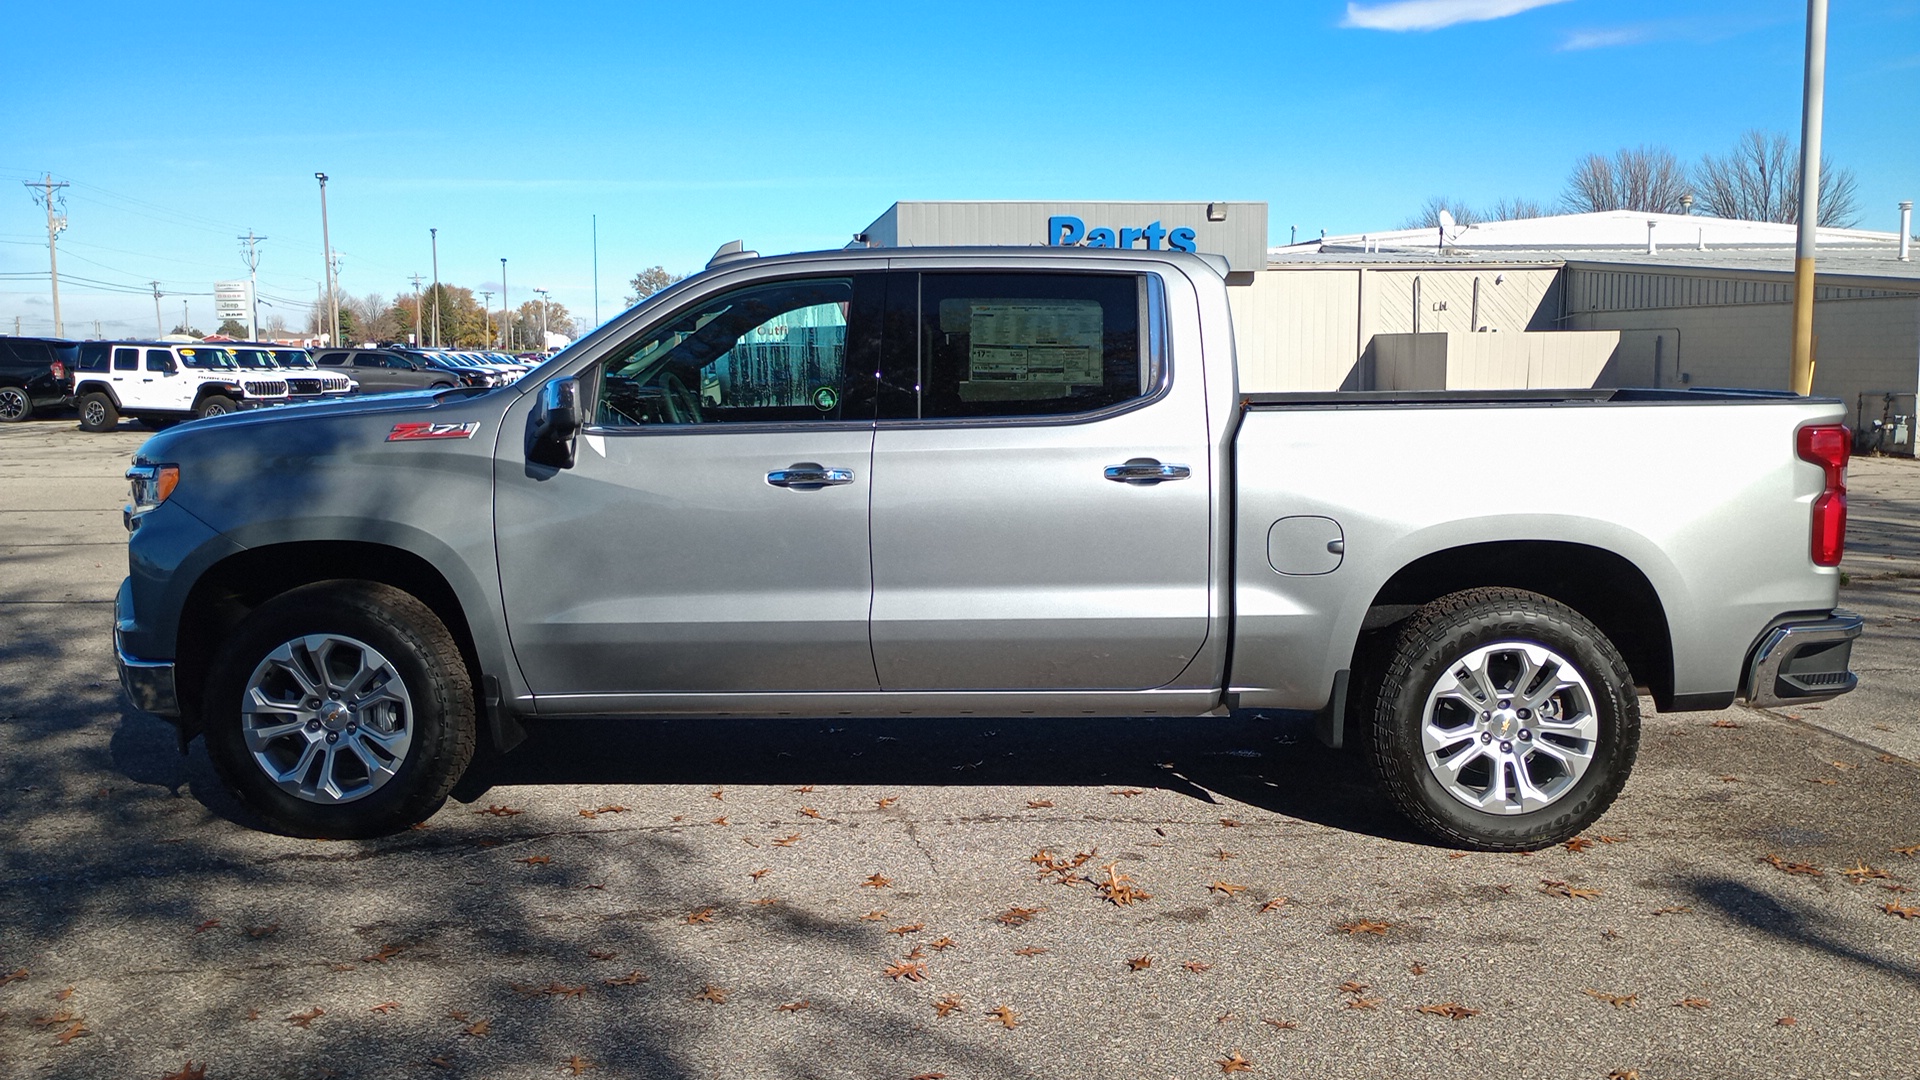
(1235, 230)
(233, 300)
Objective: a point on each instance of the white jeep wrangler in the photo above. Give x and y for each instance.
(163, 383)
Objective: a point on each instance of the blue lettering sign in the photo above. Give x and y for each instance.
(1064, 230)
(1181, 239)
(1100, 238)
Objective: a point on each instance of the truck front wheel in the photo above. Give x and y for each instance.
(1505, 721)
(215, 405)
(341, 709)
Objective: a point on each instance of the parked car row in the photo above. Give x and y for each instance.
(164, 382)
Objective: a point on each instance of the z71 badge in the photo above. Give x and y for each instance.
(421, 430)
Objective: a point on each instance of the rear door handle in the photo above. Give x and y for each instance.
(808, 476)
(1146, 471)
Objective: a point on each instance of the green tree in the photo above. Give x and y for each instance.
(526, 323)
(232, 328)
(183, 328)
(650, 281)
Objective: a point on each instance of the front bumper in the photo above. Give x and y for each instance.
(149, 684)
(1797, 662)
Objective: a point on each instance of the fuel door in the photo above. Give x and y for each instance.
(1306, 545)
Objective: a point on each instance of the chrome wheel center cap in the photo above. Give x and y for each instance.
(335, 715)
(1505, 725)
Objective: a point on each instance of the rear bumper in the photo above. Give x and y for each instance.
(1802, 661)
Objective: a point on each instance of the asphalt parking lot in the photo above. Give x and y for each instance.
(923, 898)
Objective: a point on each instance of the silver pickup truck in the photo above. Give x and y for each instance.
(977, 482)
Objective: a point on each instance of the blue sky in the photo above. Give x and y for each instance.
(682, 126)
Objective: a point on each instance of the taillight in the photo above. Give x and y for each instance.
(1828, 446)
(59, 370)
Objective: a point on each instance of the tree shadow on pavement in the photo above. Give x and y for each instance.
(1787, 922)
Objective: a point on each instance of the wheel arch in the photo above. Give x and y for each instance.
(1605, 587)
(91, 386)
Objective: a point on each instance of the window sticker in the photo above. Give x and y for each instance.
(1055, 342)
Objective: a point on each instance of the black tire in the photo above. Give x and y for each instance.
(214, 405)
(15, 405)
(1438, 637)
(97, 412)
(157, 423)
(428, 662)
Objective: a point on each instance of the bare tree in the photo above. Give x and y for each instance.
(1647, 179)
(1759, 180)
(1516, 208)
(1429, 215)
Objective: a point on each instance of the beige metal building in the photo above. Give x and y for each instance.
(1579, 300)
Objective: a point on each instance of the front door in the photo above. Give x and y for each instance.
(1041, 489)
(711, 537)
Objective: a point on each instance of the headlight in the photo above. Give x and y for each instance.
(151, 484)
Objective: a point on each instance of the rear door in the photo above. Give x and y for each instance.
(1041, 487)
(711, 536)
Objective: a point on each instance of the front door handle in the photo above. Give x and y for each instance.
(1146, 471)
(809, 476)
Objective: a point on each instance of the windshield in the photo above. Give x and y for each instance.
(203, 357)
(293, 358)
(254, 359)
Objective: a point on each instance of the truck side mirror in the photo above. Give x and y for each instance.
(556, 424)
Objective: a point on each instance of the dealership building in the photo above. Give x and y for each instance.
(1618, 298)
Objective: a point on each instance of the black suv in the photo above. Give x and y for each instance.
(380, 371)
(35, 373)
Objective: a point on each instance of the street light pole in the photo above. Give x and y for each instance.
(1812, 104)
(506, 313)
(543, 318)
(333, 302)
(436, 286)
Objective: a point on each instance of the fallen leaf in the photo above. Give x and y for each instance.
(263, 931)
(1197, 966)
(1900, 910)
(64, 1016)
(1803, 869)
(442, 1062)
(1007, 1017)
(1222, 854)
(1417, 968)
(1610, 839)
(1618, 1001)
(1234, 1064)
(384, 1007)
(561, 990)
(1140, 963)
(341, 967)
(948, 1005)
(1729, 779)
(536, 860)
(1229, 823)
(478, 1030)
(1562, 889)
(206, 926)
(631, 978)
(717, 794)
(1890, 759)
(1785, 1021)
(907, 928)
(1452, 1010)
(705, 914)
(500, 811)
(718, 821)
(1029, 950)
(713, 994)
(1841, 765)
(1274, 904)
(576, 1065)
(603, 954)
(877, 882)
(787, 841)
(1458, 854)
(1365, 926)
(458, 1014)
(810, 811)
(941, 944)
(188, 1072)
(1680, 909)
(1578, 844)
(1624, 1074)
(386, 953)
(1910, 850)
(796, 1006)
(1352, 986)
(1283, 1025)
(16, 975)
(928, 1076)
(1119, 889)
(306, 1019)
(1861, 873)
(1127, 793)
(804, 789)
(910, 970)
(760, 873)
(1362, 1003)
(1693, 1003)
(1018, 916)
(1228, 889)
(1726, 723)
(1039, 804)
(886, 802)
(253, 1014)
(78, 1029)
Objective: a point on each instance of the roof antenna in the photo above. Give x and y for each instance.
(731, 251)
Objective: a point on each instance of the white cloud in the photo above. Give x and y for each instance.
(1434, 14)
(1606, 39)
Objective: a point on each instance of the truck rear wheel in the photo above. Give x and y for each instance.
(1505, 721)
(15, 405)
(341, 709)
(97, 412)
(214, 405)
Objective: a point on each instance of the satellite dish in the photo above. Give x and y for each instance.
(1446, 220)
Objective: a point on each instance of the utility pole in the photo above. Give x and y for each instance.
(486, 312)
(543, 318)
(596, 270)
(436, 286)
(1812, 103)
(56, 224)
(186, 321)
(416, 309)
(158, 329)
(333, 302)
(253, 284)
(506, 313)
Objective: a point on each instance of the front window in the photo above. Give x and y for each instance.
(254, 359)
(293, 358)
(202, 357)
(770, 352)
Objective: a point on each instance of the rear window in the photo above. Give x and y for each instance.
(93, 356)
(333, 359)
